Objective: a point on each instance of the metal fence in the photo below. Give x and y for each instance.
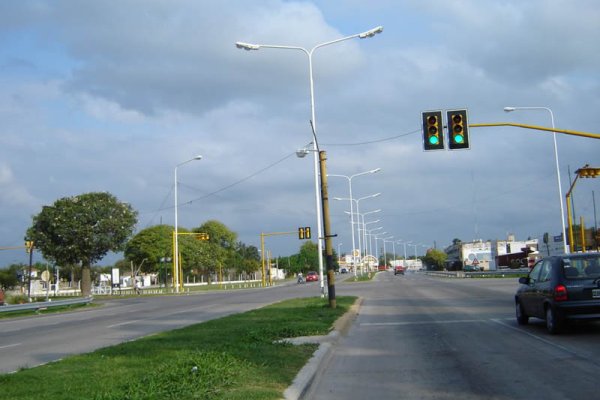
(45, 304)
(482, 274)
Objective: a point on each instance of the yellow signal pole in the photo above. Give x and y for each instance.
(539, 128)
(262, 251)
(584, 172)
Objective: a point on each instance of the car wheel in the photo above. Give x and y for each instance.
(553, 323)
(522, 318)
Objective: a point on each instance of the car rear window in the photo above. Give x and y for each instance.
(582, 267)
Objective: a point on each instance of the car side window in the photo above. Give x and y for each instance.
(545, 271)
(535, 272)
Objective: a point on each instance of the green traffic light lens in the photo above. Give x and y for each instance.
(434, 140)
(459, 138)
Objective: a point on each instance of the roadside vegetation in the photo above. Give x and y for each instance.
(361, 278)
(236, 357)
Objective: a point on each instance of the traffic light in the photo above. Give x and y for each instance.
(458, 129)
(304, 233)
(433, 137)
(202, 236)
(587, 172)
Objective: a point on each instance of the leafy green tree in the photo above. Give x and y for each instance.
(308, 257)
(150, 244)
(246, 259)
(81, 230)
(9, 278)
(220, 246)
(435, 258)
(218, 233)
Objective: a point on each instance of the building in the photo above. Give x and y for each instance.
(490, 254)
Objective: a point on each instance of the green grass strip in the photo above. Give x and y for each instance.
(235, 357)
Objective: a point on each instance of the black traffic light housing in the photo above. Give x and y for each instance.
(458, 129)
(304, 233)
(433, 132)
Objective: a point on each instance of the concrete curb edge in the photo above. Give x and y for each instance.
(307, 374)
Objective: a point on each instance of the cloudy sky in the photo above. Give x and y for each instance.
(112, 95)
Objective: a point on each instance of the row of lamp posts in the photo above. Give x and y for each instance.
(362, 232)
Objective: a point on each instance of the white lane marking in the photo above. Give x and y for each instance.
(405, 323)
(541, 339)
(10, 345)
(124, 323)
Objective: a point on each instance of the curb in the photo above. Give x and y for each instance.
(302, 382)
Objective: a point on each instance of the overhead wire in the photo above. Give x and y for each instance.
(258, 172)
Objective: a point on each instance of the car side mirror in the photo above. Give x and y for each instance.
(524, 280)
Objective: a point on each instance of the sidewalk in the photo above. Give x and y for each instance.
(303, 381)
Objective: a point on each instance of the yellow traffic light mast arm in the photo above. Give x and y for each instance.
(539, 128)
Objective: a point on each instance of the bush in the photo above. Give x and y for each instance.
(17, 299)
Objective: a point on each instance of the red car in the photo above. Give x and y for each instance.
(399, 270)
(312, 276)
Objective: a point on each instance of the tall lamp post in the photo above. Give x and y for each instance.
(176, 247)
(364, 228)
(404, 243)
(386, 240)
(359, 215)
(369, 236)
(376, 249)
(309, 54)
(349, 178)
(560, 198)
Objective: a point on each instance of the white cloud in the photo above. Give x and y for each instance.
(112, 98)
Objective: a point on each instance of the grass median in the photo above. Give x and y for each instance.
(235, 357)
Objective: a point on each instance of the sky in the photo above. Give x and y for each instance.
(113, 95)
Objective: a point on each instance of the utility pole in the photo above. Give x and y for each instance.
(327, 231)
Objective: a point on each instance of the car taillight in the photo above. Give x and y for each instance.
(560, 293)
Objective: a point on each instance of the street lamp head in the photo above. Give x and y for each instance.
(371, 33)
(375, 170)
(301, 153)
(247, 46)
(376, 194)
(198, 157)
(509, 109)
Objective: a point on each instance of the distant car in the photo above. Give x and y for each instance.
(343, 270)
(560, 289)
(471, 268)
(312, 276)
(398, 270)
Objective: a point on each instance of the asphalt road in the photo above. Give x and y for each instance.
(415, 337)
(430, 338)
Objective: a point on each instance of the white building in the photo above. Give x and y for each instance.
(490, 254)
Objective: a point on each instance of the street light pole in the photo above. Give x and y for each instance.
(370, 235)
(176, 240)
(359, 215)
(309, 54)
(349, 178)
(560, 197)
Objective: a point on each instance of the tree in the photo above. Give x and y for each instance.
(9, 278)
(309, 256)
(246, 259)
(436, 258)
(81, 230)
(150, 244)
(220, 246)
